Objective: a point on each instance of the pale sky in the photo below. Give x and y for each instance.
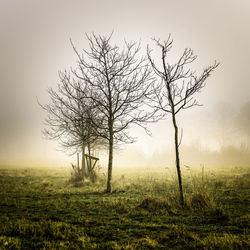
(34, 46)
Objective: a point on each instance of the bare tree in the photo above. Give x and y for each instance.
(175, 91)
(118, 84)
(69, 118)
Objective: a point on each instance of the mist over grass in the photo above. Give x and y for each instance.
(217, 136)
(191, 155)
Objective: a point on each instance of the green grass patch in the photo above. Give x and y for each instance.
(41, 209)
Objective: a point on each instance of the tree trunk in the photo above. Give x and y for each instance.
(91, 171)
(176, 141)
(78, 165)
(90, 162)
(110, 164)
(83, 162)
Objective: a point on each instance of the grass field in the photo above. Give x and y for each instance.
(41, 209)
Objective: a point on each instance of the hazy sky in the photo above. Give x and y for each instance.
(34, 46)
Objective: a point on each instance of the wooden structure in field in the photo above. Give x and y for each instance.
(91, 162)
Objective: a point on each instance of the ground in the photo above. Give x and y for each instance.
(40, 208)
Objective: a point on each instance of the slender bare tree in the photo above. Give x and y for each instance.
(69, 118)
(176, 89)
(118, 84)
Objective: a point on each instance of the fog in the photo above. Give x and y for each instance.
(34, 46)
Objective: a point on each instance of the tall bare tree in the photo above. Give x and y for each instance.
(176, 89)
(118, 84)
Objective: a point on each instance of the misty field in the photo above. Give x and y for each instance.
(41, 209)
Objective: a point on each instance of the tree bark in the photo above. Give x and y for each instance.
(83, 162)
(110, 163)
(78, 165)
(178, 168)
(90, 162)
(90, 169)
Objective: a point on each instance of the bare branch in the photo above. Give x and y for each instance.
(180, 85)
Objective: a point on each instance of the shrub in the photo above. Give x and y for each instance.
(76, 174)
(201, 201)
